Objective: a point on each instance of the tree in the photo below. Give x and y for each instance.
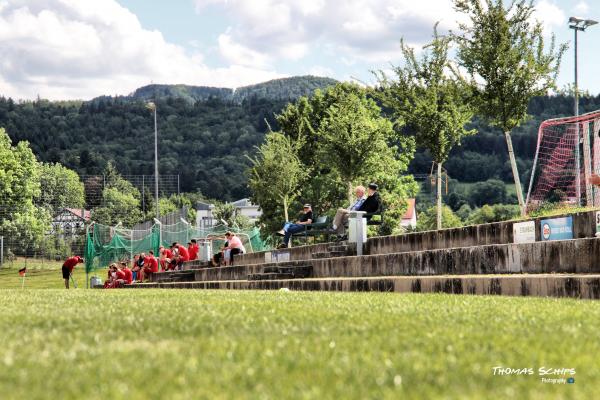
(276, 173)
(503, 51)
(118, 207)
(431, 100)
(356, 140)
(428, 220)
(20, 220)
(60, 187)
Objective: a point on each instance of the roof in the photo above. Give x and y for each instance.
(243, 203)
(410, 211)
(77, 212)
(200, 205)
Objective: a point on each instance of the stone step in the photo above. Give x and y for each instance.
(584, 286)
(270, 276)
(338, 247)
(321, 254)
(302, 271)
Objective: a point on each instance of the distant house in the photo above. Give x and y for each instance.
(70, 221)
(246, 208)
(204, 215)
(205, 218)
(409, 219)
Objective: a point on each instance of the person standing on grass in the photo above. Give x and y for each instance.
(67, 268)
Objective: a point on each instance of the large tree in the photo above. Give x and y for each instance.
(503, 50)
(430, 99)
(275, 176)
(60, 187)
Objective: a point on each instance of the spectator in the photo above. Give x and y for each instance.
(150, 266)
(166, 255)
(290, 228)
(234, 246)
(128, 273)
(135, 268)
(373, 202)
(341, 216)
(193, 250)
(218, 257)
(112, 276)
(181, 255)
(67, 268)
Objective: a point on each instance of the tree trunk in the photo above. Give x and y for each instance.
(439, 195)
(515, 172)
(285, 208)
(350, 192)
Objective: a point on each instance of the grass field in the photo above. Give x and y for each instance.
(40, 274)
(171, 344)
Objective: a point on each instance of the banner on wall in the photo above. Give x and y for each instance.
(557, 228)
(524, 232)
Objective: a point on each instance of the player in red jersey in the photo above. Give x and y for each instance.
(67, 268)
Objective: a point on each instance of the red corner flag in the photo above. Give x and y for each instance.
(22, 271)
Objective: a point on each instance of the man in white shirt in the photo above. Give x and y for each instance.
(341, 216)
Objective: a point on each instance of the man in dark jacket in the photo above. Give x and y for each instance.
(373, 201)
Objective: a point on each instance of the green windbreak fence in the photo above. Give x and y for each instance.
(108, 244)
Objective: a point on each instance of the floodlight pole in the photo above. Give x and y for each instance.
(578, 24)
(156, 163)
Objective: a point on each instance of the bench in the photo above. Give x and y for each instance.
(319, 227)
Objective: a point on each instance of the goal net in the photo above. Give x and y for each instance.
(568, 151)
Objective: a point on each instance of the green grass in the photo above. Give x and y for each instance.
(154, 344)
(40, 274)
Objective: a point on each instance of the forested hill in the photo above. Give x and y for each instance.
(278, 89)
(205, 133)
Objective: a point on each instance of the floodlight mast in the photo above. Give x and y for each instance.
(578, 24)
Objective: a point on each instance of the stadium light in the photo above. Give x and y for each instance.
(578, 24)
(151, 106)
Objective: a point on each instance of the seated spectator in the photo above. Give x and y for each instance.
(135, 269)
(128, 274)
(234, 246)
(341, 216)
(180, 256)
(373, 201)
(113, 276)
(219, 257)
(193, 250)
(290, 228)
(150, 266)
(165, 257)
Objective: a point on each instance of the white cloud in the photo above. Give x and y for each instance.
(319, 70)
(581, 8)
(62, 49)
(550, 15)
(366, 30)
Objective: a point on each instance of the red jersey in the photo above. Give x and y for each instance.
(193, 252)
(120, 274)
(128, 275)
(152, 262)
(183, 253)
(71, 262)
(168, 253)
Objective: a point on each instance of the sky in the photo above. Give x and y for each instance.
(79, 49)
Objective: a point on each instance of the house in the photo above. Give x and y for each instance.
(204, 215)
(206, 220)
(409, 219)
(70, 221)
(246, 208)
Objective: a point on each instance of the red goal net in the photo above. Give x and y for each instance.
(568, 151)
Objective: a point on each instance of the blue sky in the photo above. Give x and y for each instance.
(78, 49)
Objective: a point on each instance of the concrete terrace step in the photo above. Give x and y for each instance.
(566, 256)
(585, 286)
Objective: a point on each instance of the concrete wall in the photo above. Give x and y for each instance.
(582, 286)
(580, 256)
(584, 226)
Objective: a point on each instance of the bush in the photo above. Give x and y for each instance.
(428, 220)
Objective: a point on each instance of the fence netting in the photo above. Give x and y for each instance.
(108, 244)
